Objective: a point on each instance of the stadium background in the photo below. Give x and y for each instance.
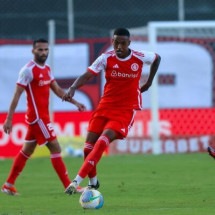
(22, 21)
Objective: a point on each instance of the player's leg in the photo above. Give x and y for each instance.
(57, 162)
(92, 175)
(17, 167)
(45, 135)
(88, 147)
(115, 126)
(92, 159)
(95, 129)
(20, 162)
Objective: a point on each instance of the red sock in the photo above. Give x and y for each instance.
(88, 147)
(94, 157)
(17, 167)
(60, 168)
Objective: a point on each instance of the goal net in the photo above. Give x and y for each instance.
(182, 95)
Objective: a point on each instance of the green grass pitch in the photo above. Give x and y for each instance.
(180, 184)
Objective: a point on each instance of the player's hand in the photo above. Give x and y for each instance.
(145, 87)
(69, 94)
(7, 126)
(81, 107)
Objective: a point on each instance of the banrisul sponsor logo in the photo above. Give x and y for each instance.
(116, 74)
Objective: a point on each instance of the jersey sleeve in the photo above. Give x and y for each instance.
(51, 74)
(98, 65)
(149, 57)
(25, 77)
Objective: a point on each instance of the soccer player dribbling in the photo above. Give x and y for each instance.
(115, 112)
(36, 79)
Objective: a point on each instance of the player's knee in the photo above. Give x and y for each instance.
(54, 148)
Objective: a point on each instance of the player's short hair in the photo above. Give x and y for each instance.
(40, 40)
(121, 32)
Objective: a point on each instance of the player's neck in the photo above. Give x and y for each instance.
(39, 63)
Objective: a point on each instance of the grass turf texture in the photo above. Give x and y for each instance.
(181, 184)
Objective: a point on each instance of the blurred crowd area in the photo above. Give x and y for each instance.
(28, 19)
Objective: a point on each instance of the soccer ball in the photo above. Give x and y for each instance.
(91, 199)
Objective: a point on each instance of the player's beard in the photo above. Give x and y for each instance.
(42, 59)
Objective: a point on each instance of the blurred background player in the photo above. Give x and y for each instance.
(115, 113)
(36, 79)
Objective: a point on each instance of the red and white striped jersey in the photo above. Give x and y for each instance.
(122, 76)
(36, 80)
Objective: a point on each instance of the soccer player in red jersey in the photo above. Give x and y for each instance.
(36, 79)
(115, 112)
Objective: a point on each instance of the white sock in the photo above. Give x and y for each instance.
(79, 179)
(9, 184)
(93, 181)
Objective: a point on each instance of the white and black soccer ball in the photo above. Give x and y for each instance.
(91, 199)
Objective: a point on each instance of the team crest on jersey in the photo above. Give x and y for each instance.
(134, 67)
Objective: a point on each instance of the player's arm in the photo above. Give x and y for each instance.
(7, 126)
(60, 93)
(153, 69)
(80, 81)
